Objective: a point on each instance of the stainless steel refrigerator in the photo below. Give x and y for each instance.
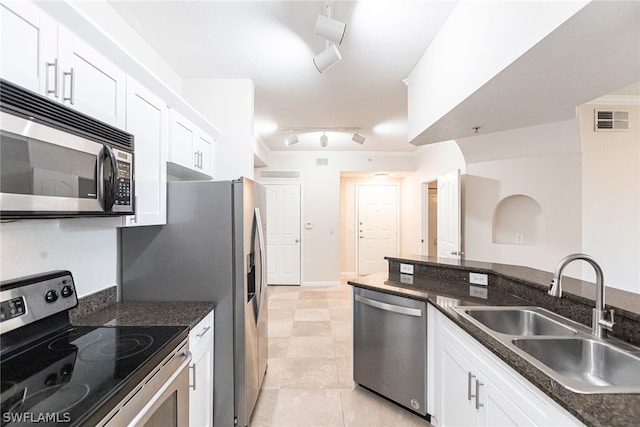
(212, 249)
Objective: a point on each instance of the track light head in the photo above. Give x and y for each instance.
(327, 58)
(291, 139)
(358, 138)
(329, 29)
(324, 140)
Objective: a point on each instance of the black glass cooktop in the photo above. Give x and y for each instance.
(77, 376)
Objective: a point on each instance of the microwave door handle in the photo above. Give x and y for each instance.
(107, 187)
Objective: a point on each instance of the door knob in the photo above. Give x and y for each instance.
(297, 240)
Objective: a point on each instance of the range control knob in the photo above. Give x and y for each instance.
(51, 296)
(66, 291)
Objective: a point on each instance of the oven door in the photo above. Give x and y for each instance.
(48, 172)
(162, 399)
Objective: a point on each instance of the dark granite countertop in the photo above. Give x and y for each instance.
(591, 409)
(152, 313)
(580, 289)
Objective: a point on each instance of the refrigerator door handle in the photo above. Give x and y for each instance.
(261, 282)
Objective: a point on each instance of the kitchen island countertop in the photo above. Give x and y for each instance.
(591, 409)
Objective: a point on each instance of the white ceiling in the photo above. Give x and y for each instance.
(272, 43)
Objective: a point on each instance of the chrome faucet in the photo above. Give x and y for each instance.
(599, 322)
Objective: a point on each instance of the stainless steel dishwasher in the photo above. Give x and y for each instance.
(390, 347)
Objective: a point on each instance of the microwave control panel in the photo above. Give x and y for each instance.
(123, 189)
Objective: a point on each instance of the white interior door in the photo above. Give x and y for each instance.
(283, 234)
(377, 226)
(449, 234)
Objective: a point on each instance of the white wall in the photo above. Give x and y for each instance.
(105, 17)
(86, 247)
(228, 103)
(611, 197)
(479, 40)
(321, 201)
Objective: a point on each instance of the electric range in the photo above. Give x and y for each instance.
(59, 374)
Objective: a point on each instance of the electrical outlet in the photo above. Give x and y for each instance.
(307, 263)
(478, 279)
(519, 238)
(406, 268)
(406, 278)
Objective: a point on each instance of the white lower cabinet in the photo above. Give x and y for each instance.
(201, 374)
(475, 388)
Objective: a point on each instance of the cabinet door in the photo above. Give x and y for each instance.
(201, 377)
(147, 120)
(498, 409)
(90, 82)
(28, 46)
(204, 154)
(456, 387)
(182, 141)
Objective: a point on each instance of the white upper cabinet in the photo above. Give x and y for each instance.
(45, 57)
(189, 147)
(90, 82)
(29, 47)
(204, 152)
(147, 119)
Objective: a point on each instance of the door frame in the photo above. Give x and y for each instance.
(357, 217)
(299, 183)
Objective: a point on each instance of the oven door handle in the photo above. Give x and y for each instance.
(143, 412)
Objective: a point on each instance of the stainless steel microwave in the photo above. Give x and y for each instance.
(56, 162)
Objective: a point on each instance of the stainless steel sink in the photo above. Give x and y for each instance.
(585, 365)
(565, 350)
(518, 320)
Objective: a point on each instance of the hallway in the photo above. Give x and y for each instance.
(309, 377)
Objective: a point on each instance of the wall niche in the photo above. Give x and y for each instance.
(518, 220)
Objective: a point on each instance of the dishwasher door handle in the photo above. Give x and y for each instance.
(389, 307)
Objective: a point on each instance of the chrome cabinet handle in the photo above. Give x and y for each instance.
(470, 377)
(193, 375)
(55, 90)
(204, 331)
(389, 307)
(477, 396)
(72, 86)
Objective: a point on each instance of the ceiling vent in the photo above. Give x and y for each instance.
(322, 161)
(611, 120)
(280, 174)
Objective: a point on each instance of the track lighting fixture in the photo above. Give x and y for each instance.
(324, 140)
(291, 139)
(358, 138)
(333, 32)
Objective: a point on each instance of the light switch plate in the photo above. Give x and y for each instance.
(406, 268)
(478, 279)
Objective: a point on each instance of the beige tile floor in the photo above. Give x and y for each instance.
(309, 377)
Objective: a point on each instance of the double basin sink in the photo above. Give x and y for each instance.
(563, 349)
